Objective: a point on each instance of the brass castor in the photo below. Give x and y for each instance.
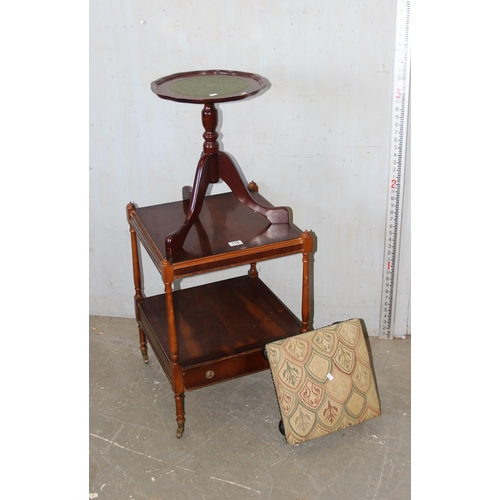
(180, 430)
(145, 357)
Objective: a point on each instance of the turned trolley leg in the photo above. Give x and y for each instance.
(138, 297)
(177, 377)
(307, 239)
(144, 346)
(179, 408)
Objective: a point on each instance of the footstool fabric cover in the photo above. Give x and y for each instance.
(324, 380)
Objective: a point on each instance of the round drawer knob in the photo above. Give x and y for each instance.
(209, 374)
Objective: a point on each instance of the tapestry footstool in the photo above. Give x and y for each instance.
(324, 381)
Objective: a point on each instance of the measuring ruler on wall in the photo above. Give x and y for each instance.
(397, 153)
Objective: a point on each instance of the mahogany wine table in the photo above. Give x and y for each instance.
(214, 332)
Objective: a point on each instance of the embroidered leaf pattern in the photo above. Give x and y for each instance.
(344, 358)
(330, 412)
(273, 355)
(285, 401)
(311, 394)
(302, 421)
(290, 374)
(324, 340)
(362, 378)
(297, 348)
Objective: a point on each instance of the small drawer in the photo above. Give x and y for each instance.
(223, 369)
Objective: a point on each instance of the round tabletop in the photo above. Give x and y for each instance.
(209, 86)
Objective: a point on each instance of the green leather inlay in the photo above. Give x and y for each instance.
(209, 86)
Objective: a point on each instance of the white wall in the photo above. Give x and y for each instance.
(317, 141)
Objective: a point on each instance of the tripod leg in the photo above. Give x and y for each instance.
(230, 174)
(175, 240)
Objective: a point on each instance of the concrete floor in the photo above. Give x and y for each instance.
(231, 448)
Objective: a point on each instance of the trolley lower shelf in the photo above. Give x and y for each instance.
(221, 327)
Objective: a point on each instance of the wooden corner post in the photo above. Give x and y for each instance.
(138, 297)
(306, 292)
(177, 377)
